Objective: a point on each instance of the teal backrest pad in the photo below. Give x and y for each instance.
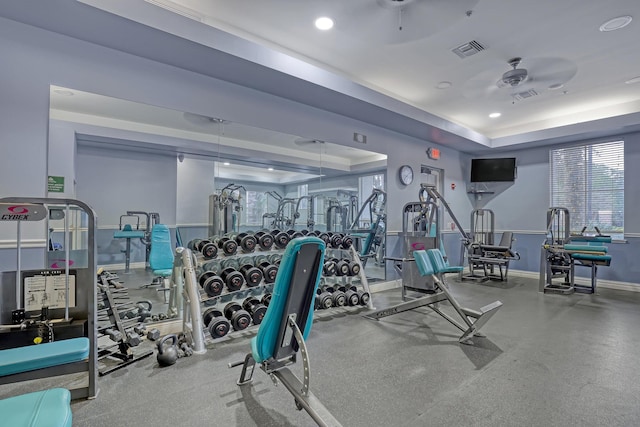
(423, 262)
(263, 345)
(161, 252)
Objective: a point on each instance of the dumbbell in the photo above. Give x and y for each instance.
(264, 239)
(232, 278)
(211, 283)
(230, 262)
(252, 275)
(207, 249)
(342, 267)
(246, 242)
(255, 308)
(329, 268)
(293, 234)
(214, 266)
(266, 299)
(114, 334)
(364, 297)
(354, 268)
(347, 241)
(275, 259)
(240, 319)
(280, 238)
(217, 324)
(322, 236)
(269, 271)
(338, 298)
(323, 299)
(228, 246)
(351, 293)
(133, 339)
(335, 240)
(193, 244)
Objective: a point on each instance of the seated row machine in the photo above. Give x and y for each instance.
(287, 324)
(432, 263)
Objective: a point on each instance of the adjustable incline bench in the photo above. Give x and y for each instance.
(287, 324)
(431, 263)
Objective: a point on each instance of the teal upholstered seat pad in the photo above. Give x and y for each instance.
(32, 357)
(592, 257)
(439, 264)
(164, 273)
(595, 239)
(586, 248)
(48, 408)
(263, 345)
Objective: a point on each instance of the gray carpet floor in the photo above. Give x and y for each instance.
(547, 360)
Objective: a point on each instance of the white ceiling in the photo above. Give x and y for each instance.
(365, 70)
(555, 38)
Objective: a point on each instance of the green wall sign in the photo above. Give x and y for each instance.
(56, 184)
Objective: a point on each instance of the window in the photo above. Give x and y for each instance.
(589, 181)
(254, 206)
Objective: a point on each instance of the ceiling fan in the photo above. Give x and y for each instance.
(301, 142)
(401, 21)
(518, 83)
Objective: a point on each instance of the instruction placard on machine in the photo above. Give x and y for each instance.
(47, 288)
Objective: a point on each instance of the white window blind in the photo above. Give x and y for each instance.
(589, 181)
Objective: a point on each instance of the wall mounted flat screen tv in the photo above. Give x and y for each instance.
(493, 170)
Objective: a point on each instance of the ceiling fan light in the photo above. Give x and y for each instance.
(616, 23)
(324, 23)
(555, 86)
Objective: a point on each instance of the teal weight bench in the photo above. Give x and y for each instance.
(48, 408)
(432, 263)
(46, 360)
(287, 324)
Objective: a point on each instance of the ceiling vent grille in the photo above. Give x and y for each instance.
(467, 49)
(524, 95)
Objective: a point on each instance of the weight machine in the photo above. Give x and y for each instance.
(126, 231)
(374, 237)
(310, 212)
(224, 208)
(563, 250)
(341, 213)
(478, 245)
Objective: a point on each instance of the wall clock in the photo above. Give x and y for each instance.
(406, 174)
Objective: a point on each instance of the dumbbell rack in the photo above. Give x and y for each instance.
(195, 292)
(117, 335)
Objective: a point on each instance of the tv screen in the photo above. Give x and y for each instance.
(493, 170)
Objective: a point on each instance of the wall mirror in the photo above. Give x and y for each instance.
(138, 165)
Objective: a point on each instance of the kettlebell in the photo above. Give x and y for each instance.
(168, 353)
(144, 312)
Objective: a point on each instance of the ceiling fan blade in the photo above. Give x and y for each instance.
(545, 72)
(482, 85)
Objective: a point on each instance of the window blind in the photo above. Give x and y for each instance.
(589, 181)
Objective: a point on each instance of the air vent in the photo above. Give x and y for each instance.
(468, 49)
(524, 95)
(178, 9)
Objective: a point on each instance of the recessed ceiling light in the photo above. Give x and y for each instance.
(63, 92)
(226, 163)
(443, 85)
(633, 80)
(324, 23)
(616, 23)
(495, 115)
(269, 169)
(555, 86)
